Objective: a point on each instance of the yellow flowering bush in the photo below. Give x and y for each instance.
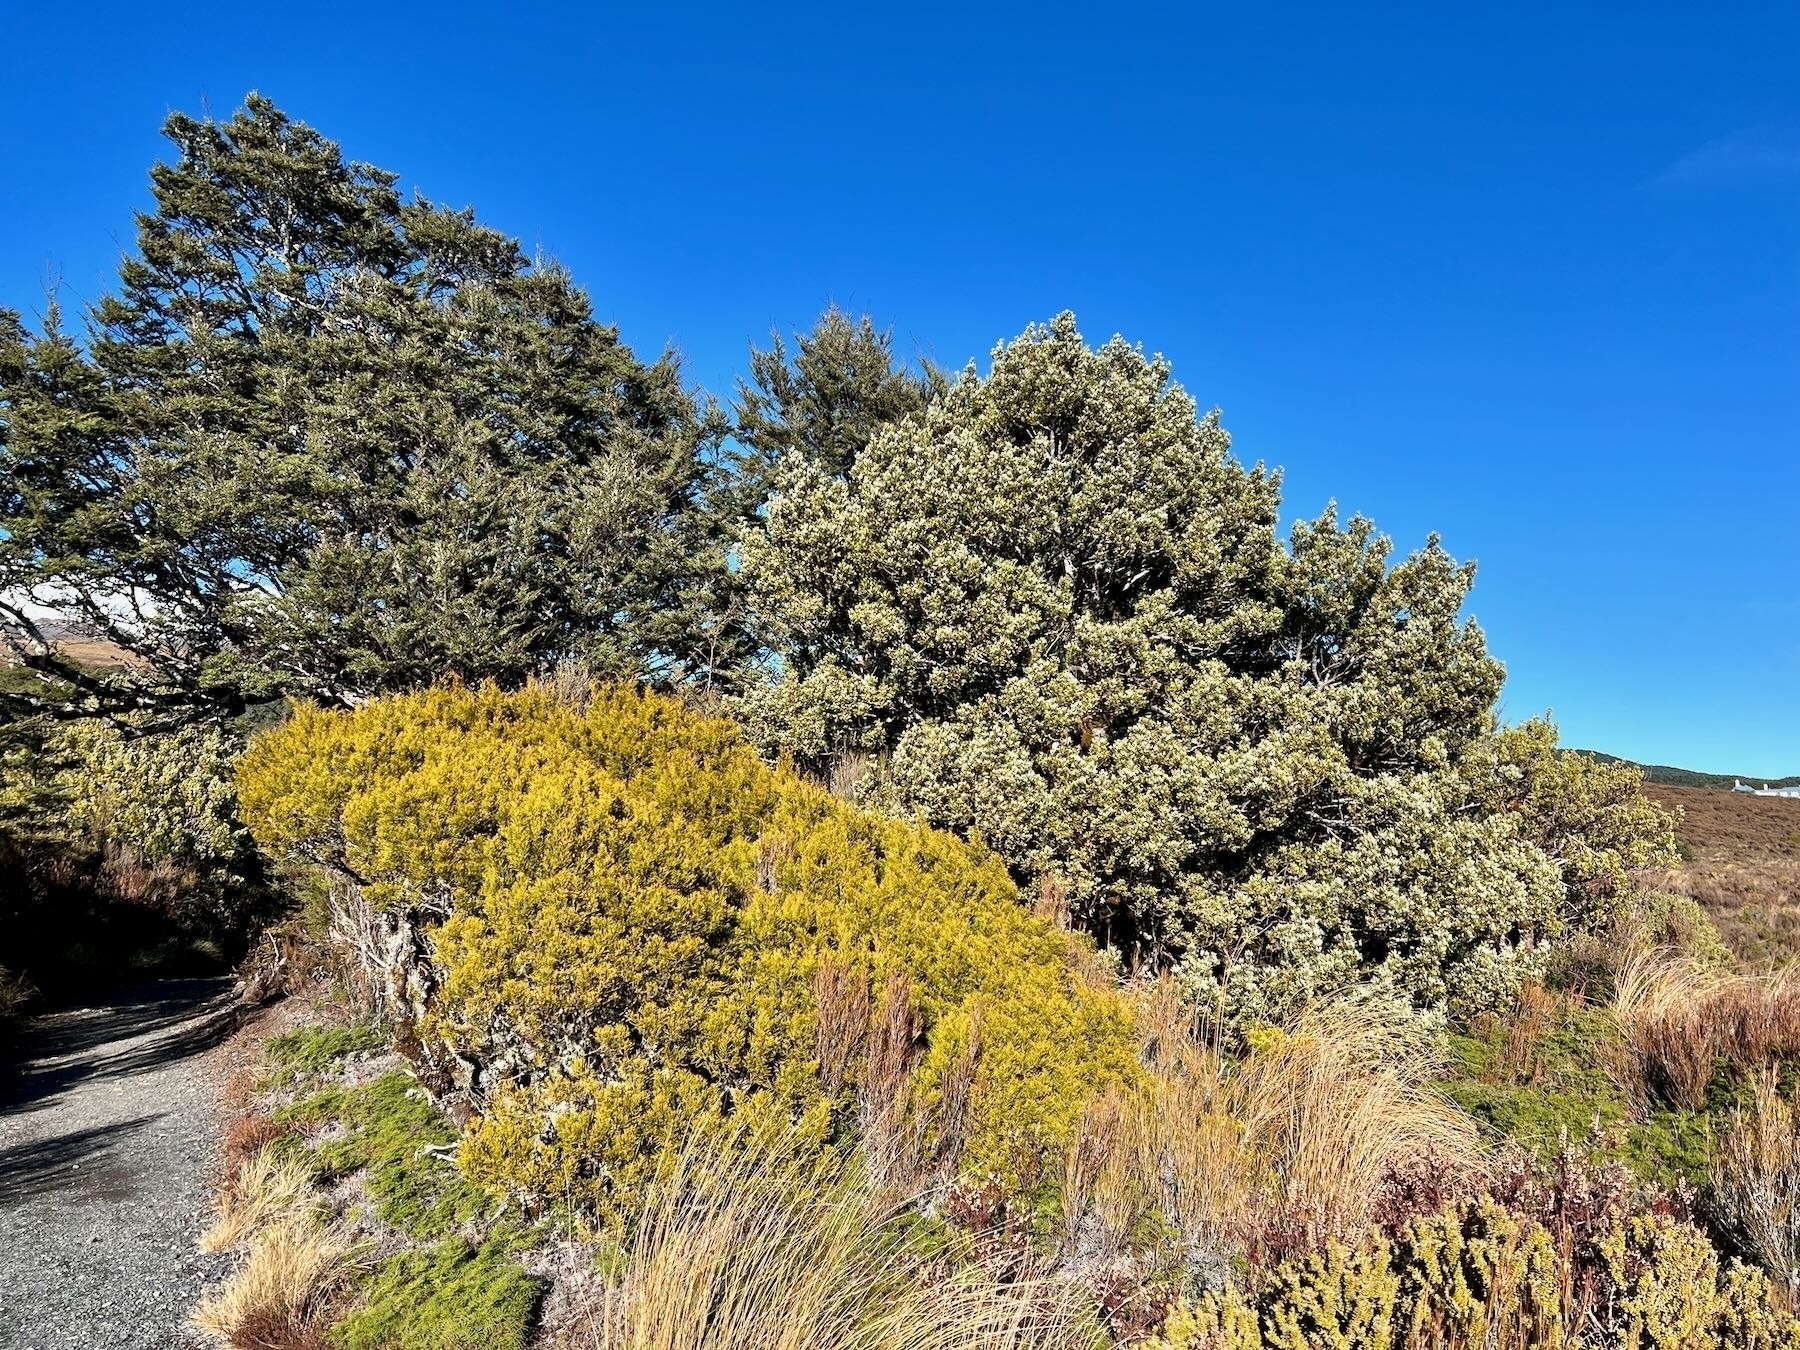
(633, 926)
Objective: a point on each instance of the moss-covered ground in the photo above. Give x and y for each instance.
(449, 1296)
(1538, 1084)
(457, 1282)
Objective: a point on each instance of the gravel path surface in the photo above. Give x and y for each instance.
(106, 1137)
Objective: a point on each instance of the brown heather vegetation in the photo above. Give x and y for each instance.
(1741, 862)
(1722, 826)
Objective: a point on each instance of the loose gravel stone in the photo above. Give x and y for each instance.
(107, 1135)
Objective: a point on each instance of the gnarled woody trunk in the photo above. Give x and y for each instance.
(388, 955)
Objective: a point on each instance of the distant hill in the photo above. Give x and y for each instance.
(1673, 777)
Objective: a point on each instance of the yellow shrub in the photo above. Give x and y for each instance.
(1490, 1279)
(629, 912)
(1487, 1279)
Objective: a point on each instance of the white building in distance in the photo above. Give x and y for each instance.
(1765, 790)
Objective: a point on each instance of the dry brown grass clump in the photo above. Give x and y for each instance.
(1265, 1154)
(260, 1190)
(242, 1088)
(282, 1297)
(1756, 1181)
(750, 1249)
(1681, 1018)
(249, 1134)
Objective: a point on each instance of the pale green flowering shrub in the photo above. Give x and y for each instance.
(169, 798)
(1051, 610)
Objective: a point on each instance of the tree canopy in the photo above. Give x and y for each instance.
(327, 440)
(825, 399)
(1052, 610)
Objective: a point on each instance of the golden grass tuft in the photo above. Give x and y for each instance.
(1756, 1180)
(1273, 1152)
(752, 1249)
(1680, 1018)
(261, 1191)
(281, 1297)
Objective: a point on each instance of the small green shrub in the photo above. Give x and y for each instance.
(122, 851)
(1678, 923)
(451, 1296)
(169, 797)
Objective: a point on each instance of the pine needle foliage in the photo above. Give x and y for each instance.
(328, 440)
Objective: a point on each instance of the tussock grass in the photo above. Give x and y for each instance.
(282, 1296)
(1680, 1018)
(1756, 1180)
(1271, 1152)
(249, 1134)
(262, 1191)
(749, 1249)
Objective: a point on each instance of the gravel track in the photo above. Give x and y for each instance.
(107, 1135)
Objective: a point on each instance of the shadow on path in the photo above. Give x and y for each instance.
(136, 1031)
(108, 1132)
(81, 1161)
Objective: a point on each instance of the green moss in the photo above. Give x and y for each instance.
(389, 1129)
(310, 1051)
(1565, 1089)
(448, 1297)
(1570, 1092)
(1670, 1146)
(1537, 1118)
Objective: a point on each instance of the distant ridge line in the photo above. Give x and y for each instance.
(1673, 777)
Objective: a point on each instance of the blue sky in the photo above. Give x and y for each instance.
(1529, 277)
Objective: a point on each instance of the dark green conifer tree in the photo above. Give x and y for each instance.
(825, 399)
(327, 440)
